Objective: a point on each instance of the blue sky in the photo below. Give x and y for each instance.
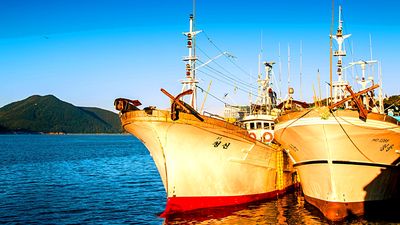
(90, 52)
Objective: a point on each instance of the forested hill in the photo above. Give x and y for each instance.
(393, 100)
(48, 114)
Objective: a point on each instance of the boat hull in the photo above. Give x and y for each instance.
(343, 162)
(206, 164)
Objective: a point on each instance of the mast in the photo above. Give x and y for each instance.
(339, 87)
(190, 81)
(288, 64)
(301, 68)
(339, 37)
(371, 59)
(380, 97)
(330, 51)
(266, 96)
(261, 97)
(280, 69)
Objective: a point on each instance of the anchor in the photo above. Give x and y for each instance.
(362, 111)
(126, 105)
(178, 105)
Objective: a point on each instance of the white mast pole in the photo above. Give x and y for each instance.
(288, 65)
(381, 106)
(280, 69)
(192, 61)
(339, 86)
(370, 50)
(261, 97)
(301, 68)
(352, 59)
(190, 81)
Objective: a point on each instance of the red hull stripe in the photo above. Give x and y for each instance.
(182, 204)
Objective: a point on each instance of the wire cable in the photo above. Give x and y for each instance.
(211, 95)
(244, 85)
(240, 68)
(235, 77)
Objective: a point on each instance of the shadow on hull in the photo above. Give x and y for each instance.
(382, 200)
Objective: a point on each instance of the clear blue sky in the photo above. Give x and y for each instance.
(90, 52)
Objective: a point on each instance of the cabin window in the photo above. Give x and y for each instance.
(272, 126)
(266, 125)
(259, 125)
(252, 126)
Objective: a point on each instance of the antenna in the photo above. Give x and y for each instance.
(259, 58)
(259, 66)
(280, 69)
(352, 59)
(319, 87)
(381, 106)
(370, 45)
(194, 8)
(301, 68)
(288, 65)
(370, 50)
(261, 42)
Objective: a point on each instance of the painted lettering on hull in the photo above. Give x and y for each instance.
(219, 142)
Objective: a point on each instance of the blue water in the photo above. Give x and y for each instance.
(78, 179)
(111, 179)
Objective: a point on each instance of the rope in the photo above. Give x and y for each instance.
(244, 85)
(237, 79)
(209, 39)
(392, 104)
(389, 128)
(226, 82)
(350, 138)
(211, 95)
(298, 119)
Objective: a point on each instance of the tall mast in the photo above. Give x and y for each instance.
(330, 51)
(381, 106)
(339, 87)
(280, 70)
(301, 68)
(190, 80)
(370, 50)
(288, 64)
(260, 94)
(339, 37)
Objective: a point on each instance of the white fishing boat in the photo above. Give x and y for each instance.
(258, 118)
(204, 161)
(348, 153)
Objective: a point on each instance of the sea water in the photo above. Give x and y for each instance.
(111, 179)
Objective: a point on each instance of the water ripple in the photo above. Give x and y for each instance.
(110, 179)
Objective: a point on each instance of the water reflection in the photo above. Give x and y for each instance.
(288, 209)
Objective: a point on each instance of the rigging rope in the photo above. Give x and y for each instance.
(348, 136)
(211, 95)
(226, 82)
(244, 85)
(240, 68)
(370, 128)
(237, 79)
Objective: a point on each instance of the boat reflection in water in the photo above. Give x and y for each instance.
(288, 209)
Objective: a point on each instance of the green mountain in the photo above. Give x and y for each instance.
(393, 100)
(50, 114)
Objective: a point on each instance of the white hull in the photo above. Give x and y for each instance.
(211, 159)
(343, 161)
